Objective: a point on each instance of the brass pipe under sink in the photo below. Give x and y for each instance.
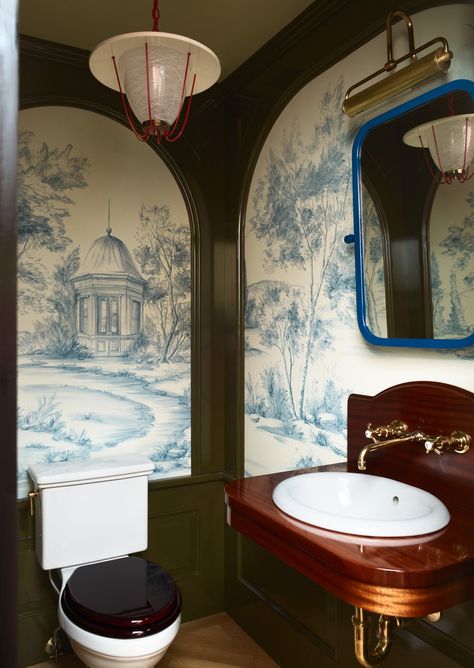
(386, 624)
(366, 655)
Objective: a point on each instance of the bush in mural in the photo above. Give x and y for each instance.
(164, 256)
(301, 206)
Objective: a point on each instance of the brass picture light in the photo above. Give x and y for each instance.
(419, 69)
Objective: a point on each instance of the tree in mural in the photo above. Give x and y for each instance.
(437, 297)
(459, 245)
(456, 320)
(281, 320)
(46, 176)
(62, 331)
(164, 255)
(301, 205)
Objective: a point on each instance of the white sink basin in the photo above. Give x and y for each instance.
(361, 504)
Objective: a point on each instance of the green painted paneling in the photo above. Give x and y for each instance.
(301, 626)
(303, 602)
(186, 536)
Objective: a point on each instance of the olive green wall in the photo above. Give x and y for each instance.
(294, 620)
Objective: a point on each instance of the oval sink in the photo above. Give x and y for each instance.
(361, 504)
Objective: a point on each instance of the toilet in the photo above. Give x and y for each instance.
(116, 609)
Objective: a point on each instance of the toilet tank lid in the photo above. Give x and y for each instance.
(74, 472)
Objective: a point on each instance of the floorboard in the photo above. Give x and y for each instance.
(211, 642)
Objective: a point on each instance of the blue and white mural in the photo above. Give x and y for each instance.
(451, 241)
(104, 297)
(301, 211)
(304, 353)
(452, 260)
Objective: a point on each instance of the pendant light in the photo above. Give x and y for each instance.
(450, 142)
(154, 73)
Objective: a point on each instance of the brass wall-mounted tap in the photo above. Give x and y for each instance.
(458, 441)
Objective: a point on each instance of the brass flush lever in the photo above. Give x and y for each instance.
(31, 498)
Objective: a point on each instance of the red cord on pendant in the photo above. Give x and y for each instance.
(155, 12)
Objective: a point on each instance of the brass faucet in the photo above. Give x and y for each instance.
(398, 430)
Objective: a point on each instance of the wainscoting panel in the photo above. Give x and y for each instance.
(302, 602)
(300, 625)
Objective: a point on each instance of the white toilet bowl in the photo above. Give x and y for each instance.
(127, 597)
(99, 652)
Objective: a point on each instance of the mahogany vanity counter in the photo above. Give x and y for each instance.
(406, 577)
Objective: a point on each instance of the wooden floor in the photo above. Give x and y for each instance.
(215, 642)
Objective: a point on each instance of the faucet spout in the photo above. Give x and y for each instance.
(414, 436)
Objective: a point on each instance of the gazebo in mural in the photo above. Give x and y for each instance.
(109, 291)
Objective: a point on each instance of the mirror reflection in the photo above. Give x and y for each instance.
(415, 231)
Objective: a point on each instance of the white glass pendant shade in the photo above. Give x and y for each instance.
(450, 141)
(166, 72)
(167, 56)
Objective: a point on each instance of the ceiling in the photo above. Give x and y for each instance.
(233, 29)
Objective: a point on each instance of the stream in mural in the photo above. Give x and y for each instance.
(68, 411)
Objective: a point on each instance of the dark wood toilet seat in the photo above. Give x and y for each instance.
(122, 598)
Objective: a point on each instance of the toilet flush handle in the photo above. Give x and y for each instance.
(31, 498)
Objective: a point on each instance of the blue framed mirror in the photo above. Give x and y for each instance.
(414, 233)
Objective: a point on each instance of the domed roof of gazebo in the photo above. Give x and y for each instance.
(109, 255)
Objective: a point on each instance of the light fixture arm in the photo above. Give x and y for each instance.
(416, 72)
(391, 63)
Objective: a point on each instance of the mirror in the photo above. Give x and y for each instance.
(414, 237)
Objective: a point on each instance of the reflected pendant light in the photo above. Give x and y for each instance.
(450, 141)
(154, 73)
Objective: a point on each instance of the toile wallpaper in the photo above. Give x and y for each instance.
(304, 353)
(104, 297)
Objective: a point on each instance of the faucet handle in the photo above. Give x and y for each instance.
(394, 429)
(459, 441)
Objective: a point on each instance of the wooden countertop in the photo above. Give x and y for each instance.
(407, 577)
